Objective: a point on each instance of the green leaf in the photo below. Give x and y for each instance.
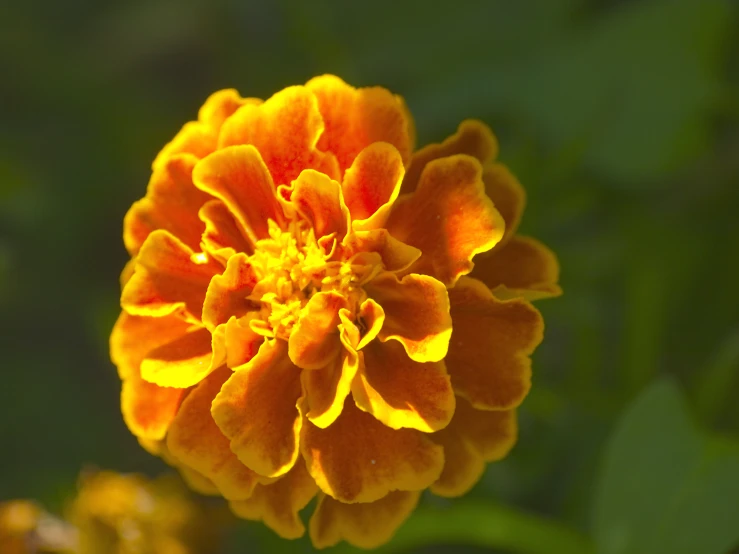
(665, 486)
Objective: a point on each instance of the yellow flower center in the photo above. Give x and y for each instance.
(292, 265)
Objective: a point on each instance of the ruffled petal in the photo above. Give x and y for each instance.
(242, 343)
(256, 409)
(239, 178)
(371, 318)
(396, 256)
(355, 118)
(449, 218)
(523, 267)
(402, 393)
(507, 195)
(372, 184)
(222, 237)
(318, 199)
(285, 129)
(326, 388)
(358, 459)
(168, 278)
(489, 351)
(133, 337)
(226, 294)
(185, 361)
(367, 525)
(195, 440)
(473, 438)
(148, 409)
(314, 340)
(416, 314)
(171, 203)
(473, 138)
(278, 504)
(200, 138)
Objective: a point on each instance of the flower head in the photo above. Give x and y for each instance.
(312, 308)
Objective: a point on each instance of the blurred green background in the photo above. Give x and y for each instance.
(621, 119)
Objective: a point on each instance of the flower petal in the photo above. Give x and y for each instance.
(489, 351)
(416, 314)
(507, 195)
(372, 318)
(222, 237)
(396, 256)
(314, 340)
(171, 203)
(148, 409)
(185, 361)
(471, 439)
(200, 138)
(239, 178)
(133, 337)
(278, 504)
(167, 278)
(523, 267)
(242, 343)
(195, 440)
(367, 525)
(285, 129)
(448, 217)
(402, 393)
(318, 199)
(326, 388)
(358, 459)
(256, 409)
(473, 138)
(226, 294)
(372, 184)
(355, 118)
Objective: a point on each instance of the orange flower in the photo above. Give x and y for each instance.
(302, 315)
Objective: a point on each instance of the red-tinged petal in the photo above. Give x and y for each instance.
(185, 361)
(285, 129)
(238, 177)
(489, 351)
(226, 294)
(221, 105)
(195, 138)
(396, 256)
(473, 438)
(171, 203)
(256, 409)
(472, 138)
(449, 218)
(133, 337)
(371, 185)
(402, 393)
(195, 440)
(278, 504)
(372, 318)
(148, 409)
(523, 267)
(314, 340)
(463, 465)
(356, 118)
(358, 459)
(318, 199)
(416, 314)
(167, 278)
(507, 195)
(222, 237)
(367, 525)
(242, 343)
(492, 433)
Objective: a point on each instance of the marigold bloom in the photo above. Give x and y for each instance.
(302, 314)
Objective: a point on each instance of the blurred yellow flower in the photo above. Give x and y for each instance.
(302, 315)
